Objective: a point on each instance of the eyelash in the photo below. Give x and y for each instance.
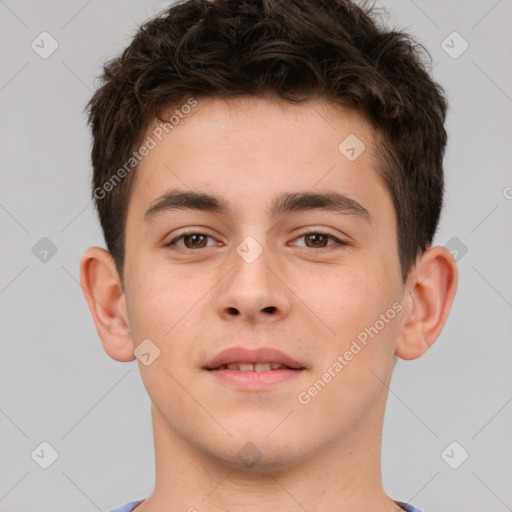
(185, 249)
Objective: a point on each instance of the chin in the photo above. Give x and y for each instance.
(256, 456)
(257, 447)
(261, 428)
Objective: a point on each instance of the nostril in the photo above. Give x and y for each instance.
(270, 309)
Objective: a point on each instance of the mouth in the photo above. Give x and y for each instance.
(263, 359)
(253, 370)
(257, 367)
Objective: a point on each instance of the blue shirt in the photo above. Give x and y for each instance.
(127, 507)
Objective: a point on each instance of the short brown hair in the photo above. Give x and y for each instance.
(297, 50)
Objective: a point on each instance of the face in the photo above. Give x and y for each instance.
(320, 284)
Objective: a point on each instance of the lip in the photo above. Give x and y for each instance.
(252, 380)
(260, 355)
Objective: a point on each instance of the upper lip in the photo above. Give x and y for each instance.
(245, 355)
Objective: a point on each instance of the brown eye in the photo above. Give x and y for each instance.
(319, 240)
(190, 241)
(195, 240)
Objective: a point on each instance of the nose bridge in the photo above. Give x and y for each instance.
(251, 288)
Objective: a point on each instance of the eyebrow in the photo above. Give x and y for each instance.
(175, 199)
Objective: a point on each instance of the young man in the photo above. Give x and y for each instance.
(268, 177)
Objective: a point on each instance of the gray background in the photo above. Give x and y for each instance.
(59, 386)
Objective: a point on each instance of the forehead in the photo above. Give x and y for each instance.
(253, 146)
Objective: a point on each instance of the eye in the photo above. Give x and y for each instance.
(195, 240)
(318, 239)
(192, 240)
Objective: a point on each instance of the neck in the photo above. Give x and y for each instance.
(344, 476)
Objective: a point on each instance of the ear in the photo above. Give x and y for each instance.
(429, 295)
(103, 291)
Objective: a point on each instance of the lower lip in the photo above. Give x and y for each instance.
(255, 380)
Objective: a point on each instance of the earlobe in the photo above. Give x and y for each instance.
(431, 290)
(104, 294)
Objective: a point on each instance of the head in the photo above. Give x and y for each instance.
(297, 50)
(261, 106)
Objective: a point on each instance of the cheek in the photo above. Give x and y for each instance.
(162, 310)
(357, 356)
(356, 305)
(166, 305)
(347, 299)
(156, 305)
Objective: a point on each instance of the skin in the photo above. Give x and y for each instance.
(324, 455)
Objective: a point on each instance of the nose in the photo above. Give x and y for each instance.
(254, 289)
